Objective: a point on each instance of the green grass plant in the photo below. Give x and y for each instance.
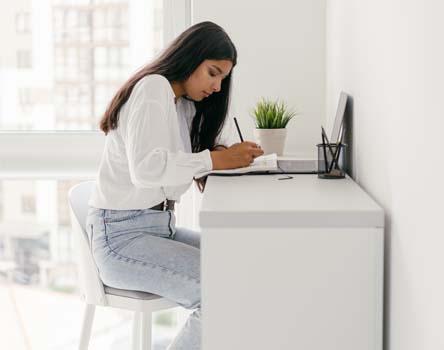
(272, 114)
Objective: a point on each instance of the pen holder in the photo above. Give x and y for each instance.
(330, 162)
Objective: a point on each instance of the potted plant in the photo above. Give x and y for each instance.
(271, 118)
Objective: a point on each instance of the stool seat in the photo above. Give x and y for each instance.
(134, 294)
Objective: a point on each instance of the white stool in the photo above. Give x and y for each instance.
(95, 293)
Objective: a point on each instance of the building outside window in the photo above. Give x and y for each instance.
(28, 204)
(24, 59)
(23, 22)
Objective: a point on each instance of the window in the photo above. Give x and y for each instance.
(79, 42)
(38, 262)
(51, 100)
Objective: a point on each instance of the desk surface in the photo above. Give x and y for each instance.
(304, 201)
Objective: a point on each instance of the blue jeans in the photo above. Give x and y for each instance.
(143, 250)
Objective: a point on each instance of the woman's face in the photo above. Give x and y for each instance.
(207, 79)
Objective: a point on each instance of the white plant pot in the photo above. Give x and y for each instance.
(271, 140)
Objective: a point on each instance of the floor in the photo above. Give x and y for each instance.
(34, 319)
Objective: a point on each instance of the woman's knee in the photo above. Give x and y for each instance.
(194, 304)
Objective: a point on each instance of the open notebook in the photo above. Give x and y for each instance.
(262, 163)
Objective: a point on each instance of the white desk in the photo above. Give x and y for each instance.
(291, 264)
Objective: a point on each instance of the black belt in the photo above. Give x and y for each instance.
(167, 204)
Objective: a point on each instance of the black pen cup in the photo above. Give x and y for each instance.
(331, 164)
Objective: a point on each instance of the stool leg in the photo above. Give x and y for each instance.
(135, 339)
(88, 319)
(146, 331)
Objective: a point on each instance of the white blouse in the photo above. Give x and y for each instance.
(148, 157)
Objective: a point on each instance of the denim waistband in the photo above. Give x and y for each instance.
(159, 223)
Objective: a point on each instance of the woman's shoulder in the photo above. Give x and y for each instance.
(154, 86)
(154, 79)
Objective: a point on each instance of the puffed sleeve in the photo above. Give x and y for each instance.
(151, 160)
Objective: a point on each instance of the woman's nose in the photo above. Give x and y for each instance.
(216, 86)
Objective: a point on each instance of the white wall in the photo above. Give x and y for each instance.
(281, 49)
(389, 54)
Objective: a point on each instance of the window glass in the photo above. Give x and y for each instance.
(40, 305)
(62, 46)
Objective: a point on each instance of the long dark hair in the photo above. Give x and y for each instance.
(202, 41)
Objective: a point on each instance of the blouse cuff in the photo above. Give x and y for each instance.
(206, 156)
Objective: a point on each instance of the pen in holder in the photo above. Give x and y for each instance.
(331, 160)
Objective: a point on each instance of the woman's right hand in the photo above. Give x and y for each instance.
(238, 155)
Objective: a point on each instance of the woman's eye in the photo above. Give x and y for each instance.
(213, 74)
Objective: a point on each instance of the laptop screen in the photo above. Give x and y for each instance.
(337, 126)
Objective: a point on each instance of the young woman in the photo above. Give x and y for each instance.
(163, 127)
